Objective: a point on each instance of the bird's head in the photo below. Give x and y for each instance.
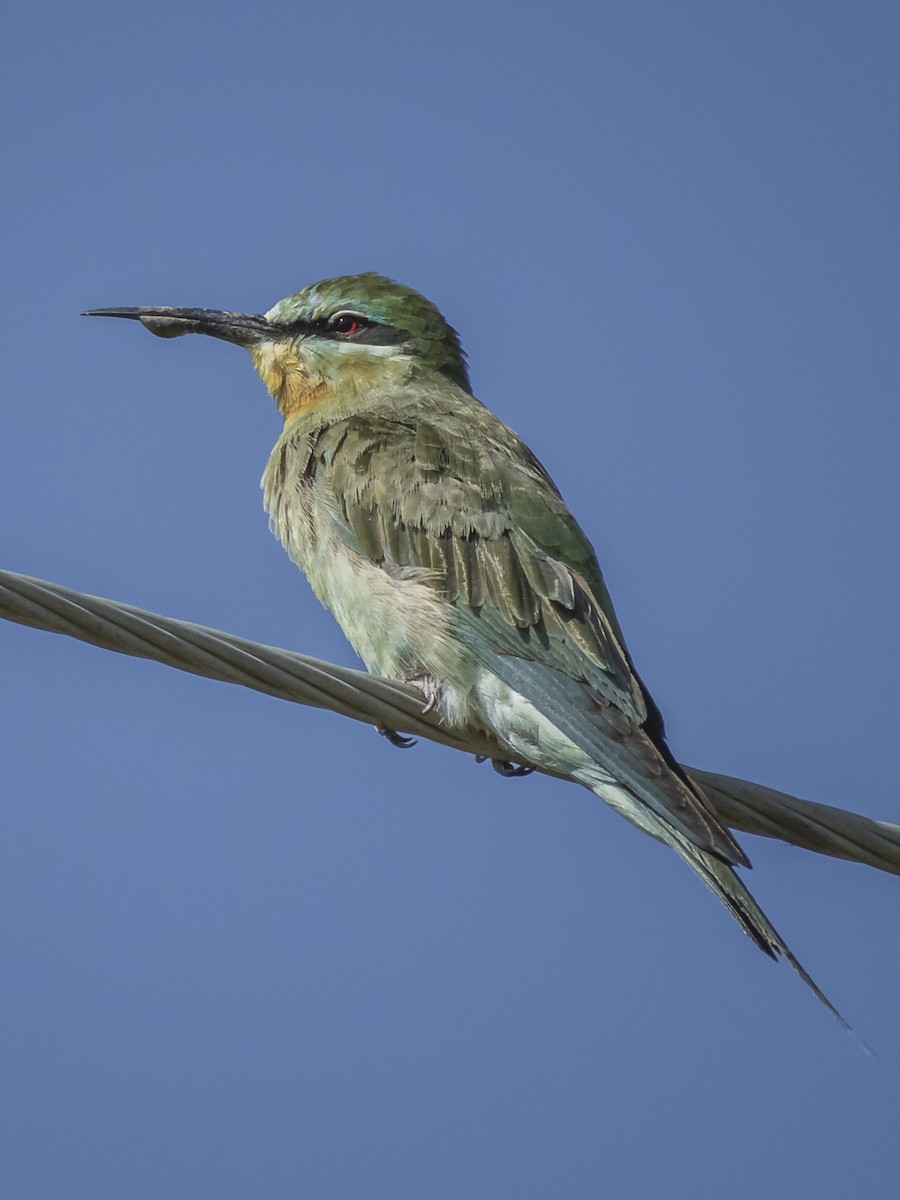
(337, 336)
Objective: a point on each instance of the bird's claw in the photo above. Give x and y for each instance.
(400, 740)
(506, 768)
(510, 770)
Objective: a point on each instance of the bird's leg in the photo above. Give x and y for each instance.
(430, 691)
(400, 740)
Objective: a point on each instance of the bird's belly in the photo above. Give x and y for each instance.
(393, 623)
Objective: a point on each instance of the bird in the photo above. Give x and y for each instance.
(451, 561)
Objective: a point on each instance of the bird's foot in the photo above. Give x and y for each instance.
(400, 740)
(506, 768)
(511, 770)
(429, 688)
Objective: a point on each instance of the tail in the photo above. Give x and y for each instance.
(718, 875)
(727, 885)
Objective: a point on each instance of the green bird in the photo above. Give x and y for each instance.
(450, 559)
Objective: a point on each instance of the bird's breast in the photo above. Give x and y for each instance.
(396, 621)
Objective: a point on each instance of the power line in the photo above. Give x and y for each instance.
(300, 679)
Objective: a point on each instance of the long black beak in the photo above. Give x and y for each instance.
(239, 328)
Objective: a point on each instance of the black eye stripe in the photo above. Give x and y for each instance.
(368, 332)
(373, 334)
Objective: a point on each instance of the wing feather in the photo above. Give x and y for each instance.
(489, 527)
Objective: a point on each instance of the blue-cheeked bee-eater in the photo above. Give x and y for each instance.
(448, 556)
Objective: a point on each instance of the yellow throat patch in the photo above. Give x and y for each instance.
(287, 377)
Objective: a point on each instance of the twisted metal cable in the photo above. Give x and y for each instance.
(741, 805)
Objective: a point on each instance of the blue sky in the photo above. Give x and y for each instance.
(251, 950)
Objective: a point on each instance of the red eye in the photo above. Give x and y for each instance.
(345, 324)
